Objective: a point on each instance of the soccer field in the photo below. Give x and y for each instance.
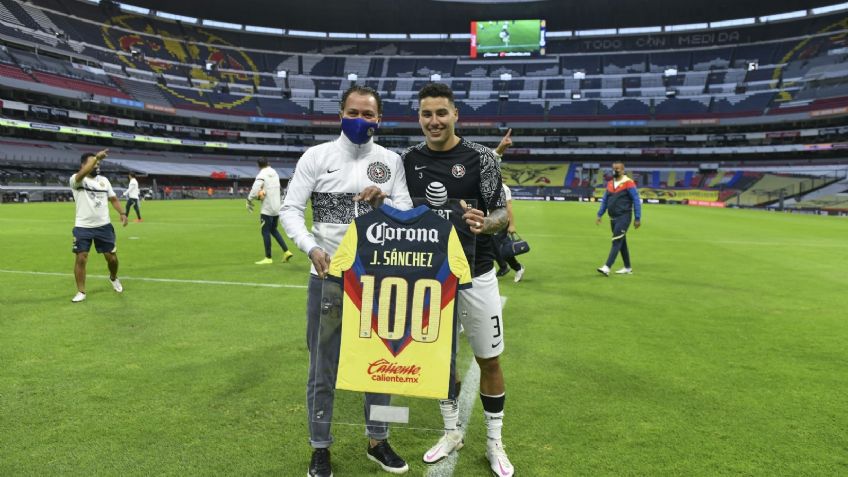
(723, 354)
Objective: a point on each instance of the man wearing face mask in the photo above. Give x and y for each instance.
(621, 199)
(344, 179)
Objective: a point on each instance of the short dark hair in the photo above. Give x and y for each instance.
(262, 162)
(436, 90)
(131, 175)
(619, 161)
(365, 91)
(85, 156)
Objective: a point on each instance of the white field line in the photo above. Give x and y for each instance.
(467, 398)
(164, 280)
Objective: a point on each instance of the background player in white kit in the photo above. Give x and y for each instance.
(132, 197)
(91, 192)
(266, 188)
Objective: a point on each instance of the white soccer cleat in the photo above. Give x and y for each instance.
(449, 442)
(80, 296)
(519, 274)
(604, 271)
(116, 284)
(498, 461)
(624, 271)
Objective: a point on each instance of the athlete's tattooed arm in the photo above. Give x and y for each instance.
(496, 221)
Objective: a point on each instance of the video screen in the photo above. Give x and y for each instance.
(507, 38)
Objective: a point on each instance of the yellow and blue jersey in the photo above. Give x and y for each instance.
(401, 271)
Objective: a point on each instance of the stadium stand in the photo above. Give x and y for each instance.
(11, 71)
(65, 157)
(788, 71)
(833, 196)
(143, 90)
(771, 187)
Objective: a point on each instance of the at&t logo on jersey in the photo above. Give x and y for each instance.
(381, 233)
(437, 197)
(436, 194)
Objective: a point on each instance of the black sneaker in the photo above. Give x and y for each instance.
(502, 271)
(384, 455)
(320, 464)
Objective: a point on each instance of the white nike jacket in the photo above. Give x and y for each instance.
(331, 174)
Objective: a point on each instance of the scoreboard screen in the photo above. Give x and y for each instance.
(507, 38)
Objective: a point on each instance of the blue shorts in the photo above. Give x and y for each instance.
(103, 237)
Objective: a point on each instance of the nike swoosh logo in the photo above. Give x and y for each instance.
(497, 344)
(430, 456)
(330, 171)
(418, 168)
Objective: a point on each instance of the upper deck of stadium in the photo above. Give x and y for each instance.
(177, 65)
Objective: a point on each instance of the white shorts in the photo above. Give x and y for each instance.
(479, 310)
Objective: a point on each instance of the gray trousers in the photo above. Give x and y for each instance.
(323, 344)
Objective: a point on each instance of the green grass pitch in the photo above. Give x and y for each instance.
(725, 353)
(523, 36)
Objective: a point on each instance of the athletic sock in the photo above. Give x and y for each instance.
(450, 413)
(493, 407)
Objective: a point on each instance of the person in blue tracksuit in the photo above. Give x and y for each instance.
(621, 201)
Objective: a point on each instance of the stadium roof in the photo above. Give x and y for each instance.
(453, 16)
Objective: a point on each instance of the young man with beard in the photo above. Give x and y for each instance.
(448, 164)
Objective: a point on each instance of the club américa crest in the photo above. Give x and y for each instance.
(379, 172)
(163, 55)
(458, 170)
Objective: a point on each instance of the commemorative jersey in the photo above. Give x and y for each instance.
(469, 171)
(91, 197)
(401, 272)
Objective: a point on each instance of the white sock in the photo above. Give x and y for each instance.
(494, 424)
(450, 413)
